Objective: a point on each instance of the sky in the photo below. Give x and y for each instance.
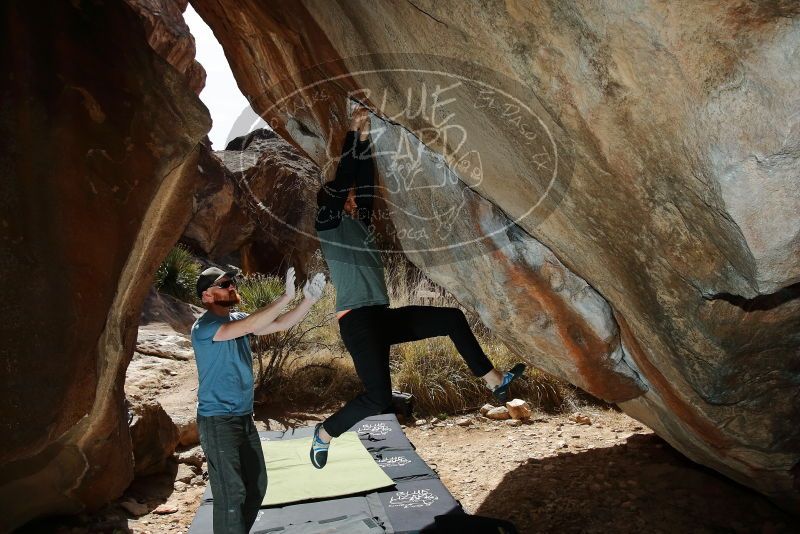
(221, 95)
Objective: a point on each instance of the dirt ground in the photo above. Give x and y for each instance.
(614, 475)
(550, 475)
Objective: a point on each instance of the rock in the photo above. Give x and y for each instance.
(259, 167)
(464, 421)
(499, 413)
(420, 422)
(580, 419)
(180, 486)
(561, 445)
(164, 509)
(135, 508)
(121, 125)
(486, 408)
(513, 422)
(187, 433)
(153, 436)
(718, 256)
(160, 309)
(185, 473)
(518, 409)
(154, 340)
(170, 38)
(194, 456)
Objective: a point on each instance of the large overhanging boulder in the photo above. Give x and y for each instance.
(625, 203)
(98, 153)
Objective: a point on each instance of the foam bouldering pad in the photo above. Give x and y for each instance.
(413, 506)
(273, 519)
(402, 465)
(291, 477)
(382, 432)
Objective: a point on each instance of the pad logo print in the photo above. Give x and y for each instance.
(393, 461)
(413, 499)
(374, 429)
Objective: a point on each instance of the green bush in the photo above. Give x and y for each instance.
(257, 290)
(177, 275)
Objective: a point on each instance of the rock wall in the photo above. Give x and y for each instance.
(621, 180)
(257, 198)
(99, 133)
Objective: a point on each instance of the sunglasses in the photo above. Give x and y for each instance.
(226, 284)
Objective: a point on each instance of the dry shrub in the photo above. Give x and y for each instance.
(431, 369)
(278, 354)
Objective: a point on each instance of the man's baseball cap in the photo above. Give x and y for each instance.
(209, 276)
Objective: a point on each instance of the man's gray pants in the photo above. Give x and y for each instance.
(236, 470)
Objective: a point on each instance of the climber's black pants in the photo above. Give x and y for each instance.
(368, 333)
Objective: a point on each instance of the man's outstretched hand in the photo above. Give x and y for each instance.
(290, 289)
(314, 287)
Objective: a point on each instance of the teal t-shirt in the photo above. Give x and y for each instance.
(224, 368)
(355, 266)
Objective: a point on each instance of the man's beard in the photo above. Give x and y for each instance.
(227, 303)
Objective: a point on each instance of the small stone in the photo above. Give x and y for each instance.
(500, 413)
(465, 421)
(135, 508)
(580, 419)
(185, 473)
(561, 445)
(420, 422)
(180, 486)
(513, 422)
(193, 456)
(486, 408)
(519, 409)
(165, 509)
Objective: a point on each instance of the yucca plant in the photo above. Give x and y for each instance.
(177, 274)
(257, 290)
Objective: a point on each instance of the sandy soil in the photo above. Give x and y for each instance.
(614, 475)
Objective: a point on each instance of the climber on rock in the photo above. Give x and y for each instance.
(367, 324)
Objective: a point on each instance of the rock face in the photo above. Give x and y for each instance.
(86, 225)
(169, 36)
(258, 198)
(620, 182)
(153, 436)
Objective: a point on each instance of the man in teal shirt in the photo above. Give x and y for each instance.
(224, 361)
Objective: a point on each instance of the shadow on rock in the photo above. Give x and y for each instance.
(642, 485)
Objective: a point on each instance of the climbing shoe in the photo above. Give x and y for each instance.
(501, 392)
(319, 449)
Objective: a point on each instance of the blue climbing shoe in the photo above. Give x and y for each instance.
(319, 449)
(501, 392)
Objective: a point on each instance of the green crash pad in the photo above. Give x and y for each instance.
(291, 477)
